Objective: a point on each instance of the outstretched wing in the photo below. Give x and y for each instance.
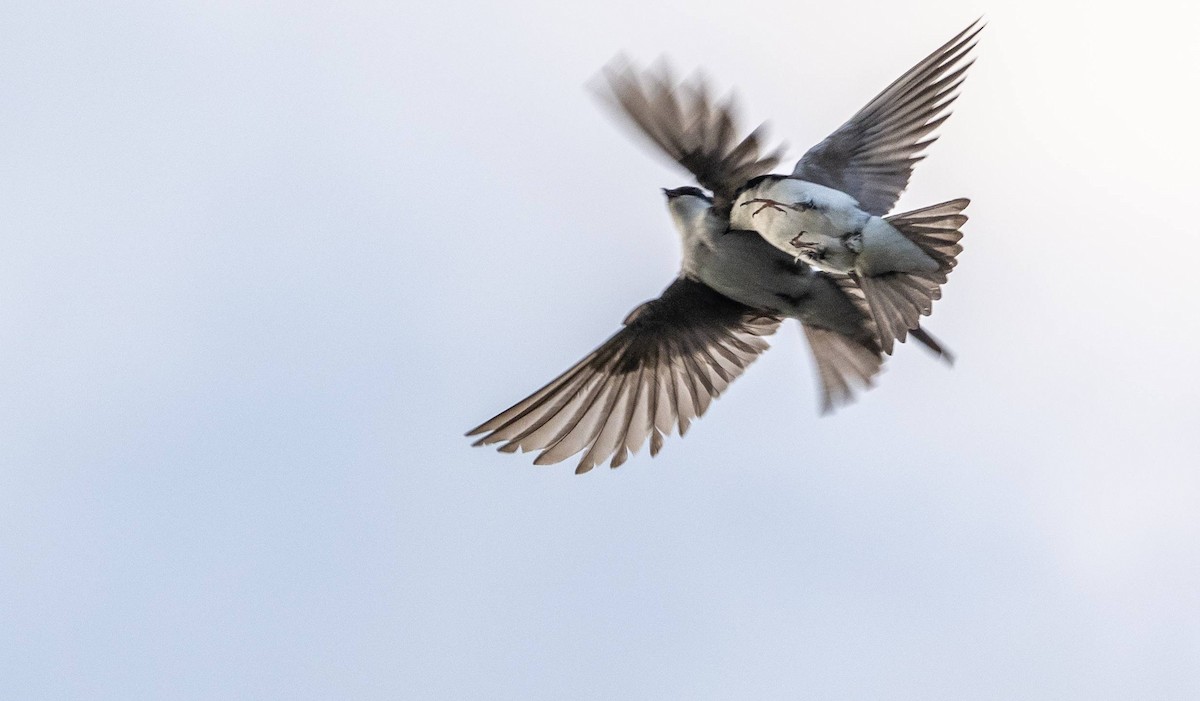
(674, 356)
(686, 125)
(872, 156)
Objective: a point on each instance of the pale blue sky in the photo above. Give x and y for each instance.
(263, 263)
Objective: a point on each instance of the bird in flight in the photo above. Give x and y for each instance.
(817, 246)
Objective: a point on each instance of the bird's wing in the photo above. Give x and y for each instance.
(684, 122)
(674, 356)
(872, 156)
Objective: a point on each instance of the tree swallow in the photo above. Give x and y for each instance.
(737, 284)
(830, 212)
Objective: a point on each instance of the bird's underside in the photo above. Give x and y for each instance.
(677, 353)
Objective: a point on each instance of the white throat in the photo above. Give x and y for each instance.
(690, 214)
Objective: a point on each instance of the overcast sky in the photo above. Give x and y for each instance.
(261, 264)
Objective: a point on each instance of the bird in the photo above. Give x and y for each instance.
(737, 284)
(830, 211)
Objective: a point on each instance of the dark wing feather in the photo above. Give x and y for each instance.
(872, 156)
(674, 356)
(685, 124)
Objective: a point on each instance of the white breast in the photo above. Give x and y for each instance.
(794, 215)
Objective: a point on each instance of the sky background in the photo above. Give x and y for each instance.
(262, 263)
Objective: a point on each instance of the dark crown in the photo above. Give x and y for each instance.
(686, 190)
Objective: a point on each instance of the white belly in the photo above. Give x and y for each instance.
(803, 219)
(886, 250)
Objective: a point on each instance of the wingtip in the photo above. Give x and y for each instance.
(972, 31)
(975, 27)
(544, 458)
(661, 70)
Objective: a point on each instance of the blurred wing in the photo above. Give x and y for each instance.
(843, 365)
(685, 124)
(674, 356)
(872, 156)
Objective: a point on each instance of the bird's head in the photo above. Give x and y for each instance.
(689, 207)
(687, 203)
(686, 191)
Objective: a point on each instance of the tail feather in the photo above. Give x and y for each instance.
(936, 230)
(844, 365)
(932, 344)
(898, 300)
